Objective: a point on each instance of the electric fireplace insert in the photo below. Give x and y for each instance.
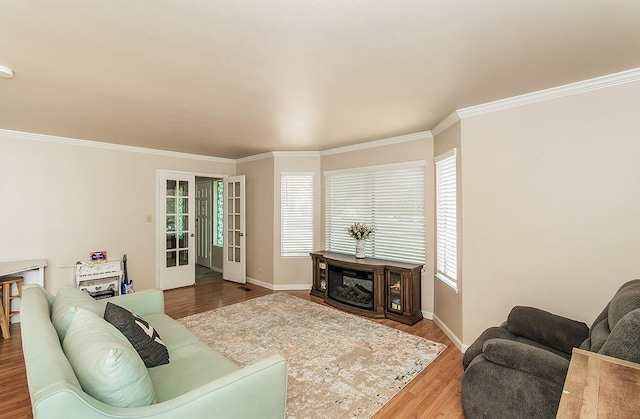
(352, 287)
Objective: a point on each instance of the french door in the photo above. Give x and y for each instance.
(176, 230)
(234, 266)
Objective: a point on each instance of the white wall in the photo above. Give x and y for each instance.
(551, 203)
(259, 222)
(60, 201)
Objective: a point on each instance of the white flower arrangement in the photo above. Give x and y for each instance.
(360, 231)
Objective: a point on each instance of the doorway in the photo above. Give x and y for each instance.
(215, 242)
(209, 229)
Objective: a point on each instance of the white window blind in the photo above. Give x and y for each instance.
(446, 219)
(390, 199)
(296, 228)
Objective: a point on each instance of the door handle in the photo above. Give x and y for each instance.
(241, 234)
(193, 234)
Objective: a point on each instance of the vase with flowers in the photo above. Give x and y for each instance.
(360, 232)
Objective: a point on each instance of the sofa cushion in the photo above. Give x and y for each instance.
(191, 366)
(65, 305)
(174, 334)
(142, 335)
(107, 366)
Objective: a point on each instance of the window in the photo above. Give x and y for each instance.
(296, 214)
(446, 219)
(389, 198)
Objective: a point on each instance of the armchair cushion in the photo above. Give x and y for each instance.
(624, 340)
(527, 358)
(548, 329)
(477, 347)
(625, 300)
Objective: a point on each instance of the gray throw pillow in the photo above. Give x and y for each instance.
(143, 337)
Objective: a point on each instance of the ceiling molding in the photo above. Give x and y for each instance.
(446, 123)
(110, 146)
(379, 143)
(602, 82)
(296, 154)
(267, 155)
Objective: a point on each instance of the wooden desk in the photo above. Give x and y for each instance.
(31, 270)
(599, 386)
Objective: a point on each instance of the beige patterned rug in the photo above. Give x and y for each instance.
(340, 365)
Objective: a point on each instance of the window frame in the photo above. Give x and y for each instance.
(367, 205)
(309, 204)
(446, 253)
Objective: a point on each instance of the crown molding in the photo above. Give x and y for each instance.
(262, 156)
(446, 123)
(623, 77)
(379, 143)
(20, 135)
(274, 154)
(296, 154)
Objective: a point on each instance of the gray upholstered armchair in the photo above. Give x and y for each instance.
(518, 370)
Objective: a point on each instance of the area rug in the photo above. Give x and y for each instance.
(339, 365)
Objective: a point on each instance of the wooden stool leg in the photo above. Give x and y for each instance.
(4, 322)
(18, 281)
(6, 299)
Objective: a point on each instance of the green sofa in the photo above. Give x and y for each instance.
(198, 382)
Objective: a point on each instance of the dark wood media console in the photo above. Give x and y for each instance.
(370, 287)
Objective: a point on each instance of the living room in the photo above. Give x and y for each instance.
(548, 195)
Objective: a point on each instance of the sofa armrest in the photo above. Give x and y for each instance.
(548, 329)
(530, 359)
(143, 303)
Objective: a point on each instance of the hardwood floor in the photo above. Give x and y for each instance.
(434, 393)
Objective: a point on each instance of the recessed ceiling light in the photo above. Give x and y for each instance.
(6, 72)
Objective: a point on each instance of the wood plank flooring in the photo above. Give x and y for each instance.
(434, 393)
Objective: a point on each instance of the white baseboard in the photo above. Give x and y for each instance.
(427, 315)
(285, 287)
(461, 347)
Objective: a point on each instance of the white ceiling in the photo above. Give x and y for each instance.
(236, 78)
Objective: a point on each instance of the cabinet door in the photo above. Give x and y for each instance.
(319, 287)
(394, 291)
(322, 275)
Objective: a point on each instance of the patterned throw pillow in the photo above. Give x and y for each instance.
(144, 338)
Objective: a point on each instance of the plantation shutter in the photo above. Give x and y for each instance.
(296, 220)
(446, 219)
(390, 199)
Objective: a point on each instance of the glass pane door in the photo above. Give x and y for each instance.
(177, 223)
(176, 229)
(395, 291)
(233, 259)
